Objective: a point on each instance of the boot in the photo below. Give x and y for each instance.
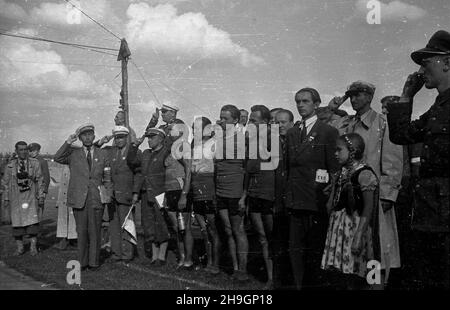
(62, 244)
(20, 250)
(33, 246)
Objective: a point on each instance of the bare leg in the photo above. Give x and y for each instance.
(228, 231)
(212, 230)
(237, 227)
(188, 240)
(179, 237)
(203, 229)
(259, 227)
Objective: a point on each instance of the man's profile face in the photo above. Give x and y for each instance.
(244, 118)
(167, 115)
(305, 104)
(283, 119)
(34, 154)
(226, 119)
(434, 70)
(22, 151)
(119, 120)
(87, 137)
(360, 101)
(256, 118)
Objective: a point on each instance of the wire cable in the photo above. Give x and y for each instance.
(142, 76)
(98, 23)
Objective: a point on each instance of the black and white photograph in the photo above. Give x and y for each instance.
(225, 150)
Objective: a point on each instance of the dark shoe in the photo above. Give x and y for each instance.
(154, 262)
(127, 260)
(84, 268)
(162, 262)
(94, 268)
(240, 276)
(212, 270)
(61, 245)
(188, 268)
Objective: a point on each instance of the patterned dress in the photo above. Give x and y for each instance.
(344, 220)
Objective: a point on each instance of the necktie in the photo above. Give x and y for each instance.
(303, 132)
(88, 157)
(357, 120)
(22, 166)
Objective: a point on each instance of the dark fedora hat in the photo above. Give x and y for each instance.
(439, 44)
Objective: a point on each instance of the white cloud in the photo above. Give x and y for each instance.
(189, 34)
(394, 11)
(27, 69)
(12, 10)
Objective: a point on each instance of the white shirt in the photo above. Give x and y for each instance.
(309, 123)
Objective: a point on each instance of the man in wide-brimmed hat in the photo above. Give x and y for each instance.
(431, 211)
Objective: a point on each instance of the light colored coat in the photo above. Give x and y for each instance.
(386, 159)
(24, 205)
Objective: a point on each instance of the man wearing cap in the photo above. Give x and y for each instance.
(123, 179)
(381, 155)
(34, 151)
(431, 210)
(87, 165)
(151, 185)
(119, 120)
(169, 116)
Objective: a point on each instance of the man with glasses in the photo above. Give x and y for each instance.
(431, 210)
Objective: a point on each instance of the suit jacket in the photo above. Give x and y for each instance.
(83, 184)
(124, 178)
(304, 158)
(45, 172)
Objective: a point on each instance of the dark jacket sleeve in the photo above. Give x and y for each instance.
(330, 149)
(133, 159)
(45, 173)
(152, 124)
(62, 156)
(402, 130)
(138, 178)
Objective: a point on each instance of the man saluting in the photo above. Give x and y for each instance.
(87, 165)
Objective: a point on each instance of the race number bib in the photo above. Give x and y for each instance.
(322, 176)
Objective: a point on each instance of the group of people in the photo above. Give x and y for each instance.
(327, 195)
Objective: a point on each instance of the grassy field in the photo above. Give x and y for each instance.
(49, 266)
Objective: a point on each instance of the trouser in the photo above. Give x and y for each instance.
(121, 246)
(432, 260)
(280, 251)
(31, 230)
(89, 228)
(153, 222)
(307, 234)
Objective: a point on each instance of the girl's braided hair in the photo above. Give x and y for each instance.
(355, 145)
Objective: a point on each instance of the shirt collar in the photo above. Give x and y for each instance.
(310, 121)
(365, 119)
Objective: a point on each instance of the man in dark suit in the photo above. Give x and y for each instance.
(311, 145)
(87, 166)
(124, 179)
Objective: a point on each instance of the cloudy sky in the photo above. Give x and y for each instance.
(199, 55)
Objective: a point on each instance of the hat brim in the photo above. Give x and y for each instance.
(85, 130)
(349, 93)
(424, 53)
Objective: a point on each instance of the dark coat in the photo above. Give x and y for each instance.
(431, 194)
(45, 172)
(303, 160)
(123, 178)
(82, 181)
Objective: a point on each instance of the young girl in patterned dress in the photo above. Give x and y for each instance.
(352, 238)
